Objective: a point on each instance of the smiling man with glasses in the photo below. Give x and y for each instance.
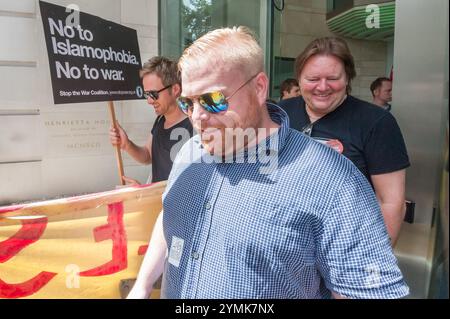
(310, 227)
(162, 86)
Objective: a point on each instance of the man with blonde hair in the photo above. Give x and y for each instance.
(307, 227)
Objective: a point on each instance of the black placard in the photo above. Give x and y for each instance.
(95, 60)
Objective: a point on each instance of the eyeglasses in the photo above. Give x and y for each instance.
(154, 94)
(307, 129)
(213, 102)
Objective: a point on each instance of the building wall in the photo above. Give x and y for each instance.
(49, 150)
(304, 20)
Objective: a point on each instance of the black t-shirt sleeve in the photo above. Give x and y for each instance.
(385, 149)
(158, 118)
(294, 109)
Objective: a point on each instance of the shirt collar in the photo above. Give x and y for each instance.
(279, 116)
(273, 143)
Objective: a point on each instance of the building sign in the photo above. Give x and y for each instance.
(71, 134)
(91, 59)
(77, 247)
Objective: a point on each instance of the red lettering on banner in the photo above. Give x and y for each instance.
(114, 230)
(26, 288)
(142, 250)
(29, 233)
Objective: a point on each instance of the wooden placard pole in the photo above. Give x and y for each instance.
(118, 153)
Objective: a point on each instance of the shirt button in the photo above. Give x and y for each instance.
(195, 255)
(208, 206)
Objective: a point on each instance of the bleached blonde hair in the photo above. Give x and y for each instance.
(236, 49)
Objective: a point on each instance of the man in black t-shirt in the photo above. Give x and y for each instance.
(363, 132)
(366, 134)
(172, 128)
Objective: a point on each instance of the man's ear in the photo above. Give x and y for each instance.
(376, 92)
(176, 89)
(262, 86)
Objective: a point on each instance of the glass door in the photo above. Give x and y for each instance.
(184, 21)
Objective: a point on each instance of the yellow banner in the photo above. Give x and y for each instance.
(78, 247)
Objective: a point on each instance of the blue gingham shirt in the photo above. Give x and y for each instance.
(308, 227)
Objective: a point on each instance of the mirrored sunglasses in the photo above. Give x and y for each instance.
(213, 102)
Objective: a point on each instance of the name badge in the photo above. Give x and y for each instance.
(176, 250)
